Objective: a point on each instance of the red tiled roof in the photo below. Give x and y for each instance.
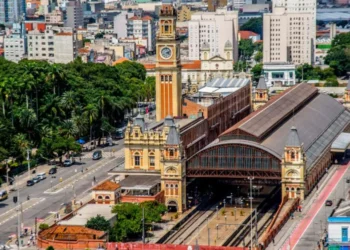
(64, 34)
(196, 64)
(120, 60)
(145, 18)
(149, 65)
(245, 34)
(67, 232)
(107, 186)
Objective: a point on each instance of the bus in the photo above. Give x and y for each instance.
(3, 195)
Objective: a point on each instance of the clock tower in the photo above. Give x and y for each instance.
(168, 66)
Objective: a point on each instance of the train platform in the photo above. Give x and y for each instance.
(219, 226)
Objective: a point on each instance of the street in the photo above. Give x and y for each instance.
(42, 203)
(312, 226)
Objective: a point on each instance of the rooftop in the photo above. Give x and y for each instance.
(70, 233)
(246, 34)
(88, 211)
(318, 117)
(140, 182)
(107, 186)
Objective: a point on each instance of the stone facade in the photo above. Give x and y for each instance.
(293, 170)
(161, 152)
(260, 95)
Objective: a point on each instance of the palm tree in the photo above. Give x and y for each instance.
(91, 113)
(69, 129)
(55, 76)
(68, 100)
(21, 142)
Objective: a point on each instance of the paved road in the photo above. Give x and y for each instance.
(41, 204)
(312, 226)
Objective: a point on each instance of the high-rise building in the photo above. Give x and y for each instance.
(12, 11)
(75, 17)
(290, 32)
(54, 44)
(143, 27)
(15, 44)
(120, 23)
(214, 30)
(168, 66)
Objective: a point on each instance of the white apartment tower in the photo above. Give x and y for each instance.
(15, 44)
(290, 32)
(215, 29)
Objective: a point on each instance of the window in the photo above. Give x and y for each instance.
(292, 155)
(171, 152)
(137, 159)
(107, 197)
(99, 197)
(152, 161)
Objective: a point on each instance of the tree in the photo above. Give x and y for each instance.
(153, 211)
(257, 71)
(255, 25)
(258, 56)
(341, 39)
(50, 248)
(98, 223)
(331, 82)
(338, 58)
(43, 226)
(246, 48)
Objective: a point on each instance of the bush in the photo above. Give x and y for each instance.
(50, 248)
(43, 226)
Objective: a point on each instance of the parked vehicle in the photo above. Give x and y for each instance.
(68, 162)
(97, 155)
(329, 203)
(3, 195)
(30, 183)
(41, 176)
(53, 170)
(36, 179)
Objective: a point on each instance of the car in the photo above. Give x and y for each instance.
(68, 163)
(30, 183)
(329, 203)
(41, 176)
(36, 179)
(53, 170)
(97, 155)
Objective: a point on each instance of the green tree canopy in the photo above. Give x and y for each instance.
(246, 48)
(341, 39)
(98, 223)
(254, 25)
(257, 71)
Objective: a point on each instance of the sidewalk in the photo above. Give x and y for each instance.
(283, 235)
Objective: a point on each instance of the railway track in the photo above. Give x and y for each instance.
(190, 226)
(260, 218)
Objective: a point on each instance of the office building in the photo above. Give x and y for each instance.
(15, 44)
(290, 32)
(288, 37)
(74, 14)
(55, 17)
(214, 30)
(143, 27)
(12, 11)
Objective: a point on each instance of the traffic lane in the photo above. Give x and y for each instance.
(53, 203)
(317, 227)
(38, 188)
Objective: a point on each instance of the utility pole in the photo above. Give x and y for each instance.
(143, 225)
(251, 210)
(28, 159)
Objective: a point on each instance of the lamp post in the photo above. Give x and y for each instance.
(217, 212)
(251, 211)
(235, 213)
(225, 222)
(231, 199)
(224, 203)
(28, 160)
(217, 231)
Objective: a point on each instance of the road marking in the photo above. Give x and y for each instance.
(18, 206)
(322, 197)
(78, 176)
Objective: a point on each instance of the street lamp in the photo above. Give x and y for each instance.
(224, 204)
(217, 212)
(231, 199)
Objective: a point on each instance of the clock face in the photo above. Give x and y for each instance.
(166, 52)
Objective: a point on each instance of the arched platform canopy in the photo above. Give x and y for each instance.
(235, 159)
(263, 134)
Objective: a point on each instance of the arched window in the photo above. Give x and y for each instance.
(137, 159)
(167, 185)
(166, 27)
(171, 152)
(260, 95)
(176, 186)
(171, 186)
(99, 197)
(107, 197)
(292, 155)
(152, 161)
